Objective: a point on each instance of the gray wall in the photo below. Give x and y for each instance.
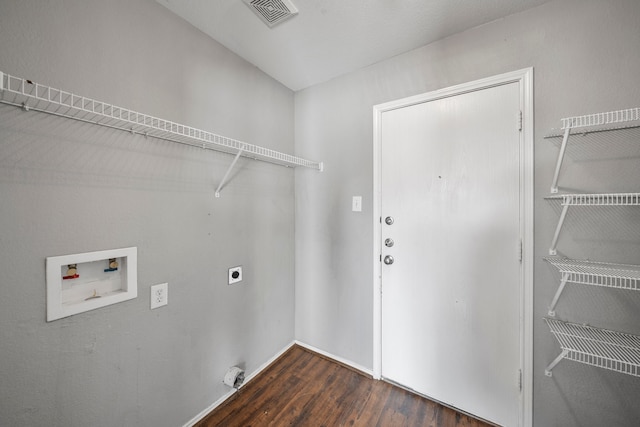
(68, 187)
(585, 59)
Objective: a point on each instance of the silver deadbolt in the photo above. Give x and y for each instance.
(388, 260)
(388, 243)
(388, 220)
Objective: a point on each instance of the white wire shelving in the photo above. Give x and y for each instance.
(603, 348)
(582, 272)
(599, 122)
(37, 97)
(610, 199)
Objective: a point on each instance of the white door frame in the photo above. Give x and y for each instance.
(524, 78)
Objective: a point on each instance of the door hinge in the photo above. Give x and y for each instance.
(520, 250)
(520, 379)
(520, 119)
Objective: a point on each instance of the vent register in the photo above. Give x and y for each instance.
(272, 12)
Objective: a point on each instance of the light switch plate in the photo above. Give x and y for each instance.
(356, 204)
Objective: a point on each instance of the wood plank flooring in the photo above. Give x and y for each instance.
(302, 388)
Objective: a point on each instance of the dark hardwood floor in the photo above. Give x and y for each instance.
(303, 388)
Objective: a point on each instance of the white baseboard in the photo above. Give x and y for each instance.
(262, 367)
(267, 363)
(210, 408)
(349, 363)
(247, 378)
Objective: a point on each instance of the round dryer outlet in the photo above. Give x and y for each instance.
(235, 275)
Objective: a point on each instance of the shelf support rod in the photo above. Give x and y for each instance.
(563, 282)
(554, 242)
(226, 175)
(563, 148)
(553, 364)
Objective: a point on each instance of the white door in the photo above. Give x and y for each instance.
(451, 299)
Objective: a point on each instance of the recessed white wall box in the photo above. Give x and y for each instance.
(235, 275)
(82, 282)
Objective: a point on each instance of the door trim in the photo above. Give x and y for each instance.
(524, 78)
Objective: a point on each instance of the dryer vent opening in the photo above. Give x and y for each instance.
(272, 12)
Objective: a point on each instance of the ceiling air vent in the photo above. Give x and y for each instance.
(272, 12)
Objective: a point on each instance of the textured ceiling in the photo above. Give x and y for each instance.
(333, 37)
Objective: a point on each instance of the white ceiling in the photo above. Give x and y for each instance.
(329, 38)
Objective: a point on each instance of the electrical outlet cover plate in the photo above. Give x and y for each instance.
(356, 204)
(235, 275)
(159, 295)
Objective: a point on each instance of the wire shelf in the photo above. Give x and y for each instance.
(34, 96)
(621, 276)
(621, 119)
(602, 119)
(554, 133)
(611, 199)
(603, 348)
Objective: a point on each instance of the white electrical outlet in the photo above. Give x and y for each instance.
(235, 275)
(159, 295)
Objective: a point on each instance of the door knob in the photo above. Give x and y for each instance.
(389, 243)
(388, 260)
(388, 220)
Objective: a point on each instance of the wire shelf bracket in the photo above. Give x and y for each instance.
(611, 199)
(226, 175)
(622, 119)
(582, 272)
(615, 351)
(31, 96)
